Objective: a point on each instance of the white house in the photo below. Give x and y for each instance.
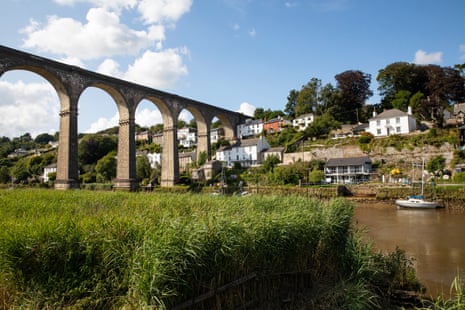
(216, 134)
(247, 152)
(348, 170)
(154, 159)
(303, 121)
(49, 169)
(250, 128)
(187, 136)
(392, 122)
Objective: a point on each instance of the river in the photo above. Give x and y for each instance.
(434, 238)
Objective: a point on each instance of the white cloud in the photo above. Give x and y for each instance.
(247, 109)
(111, 4)
(159, 11)
(103, 123)
(109, 67)
(73, 61)
(185, 116)
(158, 69)
(147, 117)
(28, 107)
(462, 51)
(424, 58)
(101, 36)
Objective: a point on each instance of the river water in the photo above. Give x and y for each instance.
(434, 238)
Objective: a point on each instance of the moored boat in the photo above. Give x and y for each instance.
(417, 201)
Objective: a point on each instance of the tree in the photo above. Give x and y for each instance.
(436, 164)
(316, 176)
(399, 76)
(401, 100)
(268, 114)
(354, 87)
(143, 168)
(307, 98)
(322, 126)
(202, 158)
(259, 113)
(270, 162)
(44, 138)
(330, 101)
(106, 167)
(4, 174)
(432, 88)
(93, 147)
(20, 172)
(291, 103)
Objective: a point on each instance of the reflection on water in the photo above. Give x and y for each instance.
(435, 238)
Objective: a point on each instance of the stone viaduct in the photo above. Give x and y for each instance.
(70, 82)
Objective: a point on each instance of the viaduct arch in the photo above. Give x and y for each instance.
(70, 82)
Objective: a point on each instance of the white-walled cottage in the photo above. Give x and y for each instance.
(47, 170)
(301, 122)
(348, 170)
(250, 128)
(392, 122)
(187, 137)
(247, 152)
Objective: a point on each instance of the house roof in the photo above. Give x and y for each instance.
(348, 161)
(390, 114)
(275, 149)
(248, 142)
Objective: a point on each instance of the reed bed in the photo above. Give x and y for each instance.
(106, 250)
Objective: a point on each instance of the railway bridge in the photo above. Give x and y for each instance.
(70, 82)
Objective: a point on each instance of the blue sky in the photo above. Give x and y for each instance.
(236, 54)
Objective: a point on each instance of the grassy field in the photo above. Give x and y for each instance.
(106, 250)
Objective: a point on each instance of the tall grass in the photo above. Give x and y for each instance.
(105, 250)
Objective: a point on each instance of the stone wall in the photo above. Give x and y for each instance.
(388, 154)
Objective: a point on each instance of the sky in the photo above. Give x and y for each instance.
(235, 54)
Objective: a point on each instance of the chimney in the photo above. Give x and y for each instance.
(409, 110)
(374, 113)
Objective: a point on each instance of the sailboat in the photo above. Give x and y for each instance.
(418, 201)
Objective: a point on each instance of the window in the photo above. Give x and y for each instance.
(397, 129)
(378, 123)
(398, 120)
(378, 131)
(388, 121)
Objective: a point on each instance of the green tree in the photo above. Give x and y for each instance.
(259, 113)
(270, 162)
(322, 126)
(44, 138)
(330, 101)
(20, 172)
(291, 103)
(34, 165)
(401, 100)
(316, 176)
(307, 98)
(92, 147)
(202, 158)
(4, 174)
(436, 164)
(399, 76)
(143, 168)
(106, 167)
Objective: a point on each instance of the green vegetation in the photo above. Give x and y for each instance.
(81, 249)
